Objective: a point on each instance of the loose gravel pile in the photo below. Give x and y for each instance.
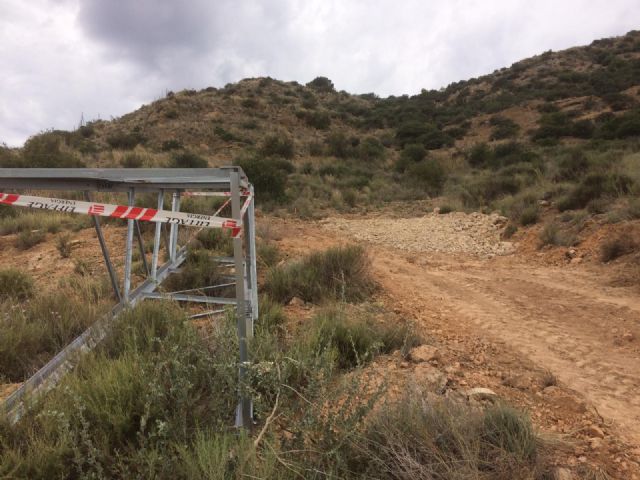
(457, 232)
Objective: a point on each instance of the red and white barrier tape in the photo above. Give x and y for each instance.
(121, 211)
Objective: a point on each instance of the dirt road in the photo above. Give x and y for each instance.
(523, 317)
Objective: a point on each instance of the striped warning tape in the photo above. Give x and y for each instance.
(121, 211)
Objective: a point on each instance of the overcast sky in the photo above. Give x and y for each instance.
(60, 59)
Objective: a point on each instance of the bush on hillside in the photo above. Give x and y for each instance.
(269, 176)
(427, 175)
(322, 84)
(188, 160)
(277, 145)
(370, 149)
(46, 151)
(595, 186)
(503, 127)
(125, 140)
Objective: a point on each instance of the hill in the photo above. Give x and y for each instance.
(560, 129)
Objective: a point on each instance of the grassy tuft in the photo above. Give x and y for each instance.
(553, 234)
(412, 438)
(15, 284)
(29, 238)
(63, 244)
(337, 273)
(357, 339)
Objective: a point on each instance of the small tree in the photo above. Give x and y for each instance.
(279, 145)
(322, 84)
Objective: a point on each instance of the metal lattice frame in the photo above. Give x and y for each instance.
(227, 182)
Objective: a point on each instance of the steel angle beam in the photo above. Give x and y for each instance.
(181, 297)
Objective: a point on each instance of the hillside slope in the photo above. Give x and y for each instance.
(560, 127)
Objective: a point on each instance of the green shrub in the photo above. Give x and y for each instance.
(216, 240)
(15, 284)
(320, 120)
(507, 430)
(125, 140)
(200, 270)
(171, 144)
(188, 160)
(427, 175)
(356, 340)
(338, 145)
(131, 407)
(269, 176)
(45, 151)
(268, 254)
(509, 231)
(38, 330)
(594, 186)
(503, 127)
(336, 273)
(30, 238)
(412, 438)
(322, 84)
(63, 244)
(529, 215)
(278, 145)
(573, 166)
(370, 149)
(410, 154)
(553, 234)
(479, 155)
(132, 160)
(444, 209)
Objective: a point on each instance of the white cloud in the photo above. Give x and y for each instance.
(62, 58)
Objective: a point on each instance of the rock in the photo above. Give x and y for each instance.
(571, 253)
(517, 381)
(404, 364)
(436, 210)
(562, 473)
(423, 353)
(595, 443)
(544, 203)
(628, 336)
(481, 393)
(594, 431)
(550, 390)
(296, 302)
(576, 260)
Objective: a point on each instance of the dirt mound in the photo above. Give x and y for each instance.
(457, 232)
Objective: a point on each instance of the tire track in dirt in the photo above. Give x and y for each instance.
(564, 332)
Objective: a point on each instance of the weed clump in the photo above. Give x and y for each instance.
(15, 284)
(553, 234)
(617, 247)
(357, 339)
(411, 438)
(339, 273)
(200, 270)
(29, 238)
